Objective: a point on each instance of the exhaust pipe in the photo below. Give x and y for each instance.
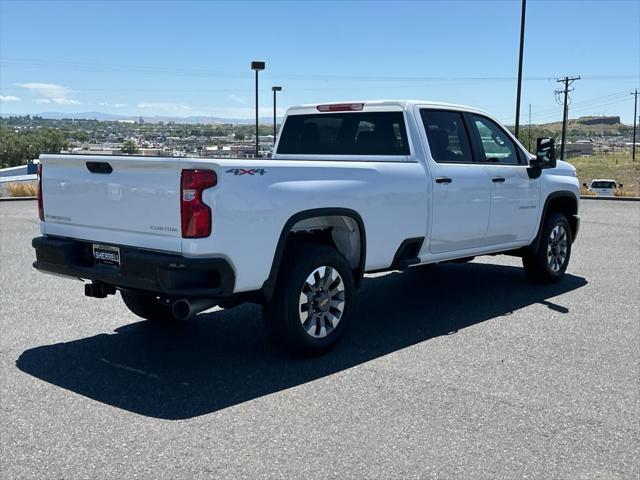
(184, 309)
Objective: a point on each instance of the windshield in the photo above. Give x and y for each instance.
(345, 133)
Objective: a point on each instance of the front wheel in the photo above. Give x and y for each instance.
(310, 309)
(551, 259)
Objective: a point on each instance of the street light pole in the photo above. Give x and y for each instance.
(257, 66)
(275, 129)
(635, 119)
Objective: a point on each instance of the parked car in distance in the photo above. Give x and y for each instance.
(352, 188)
(603, 187)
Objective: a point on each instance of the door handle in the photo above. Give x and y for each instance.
(497, 179)
(443, 180)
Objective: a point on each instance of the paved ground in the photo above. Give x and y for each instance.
(464, 371)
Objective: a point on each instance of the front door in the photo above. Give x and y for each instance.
(461, 189)
(514, 196)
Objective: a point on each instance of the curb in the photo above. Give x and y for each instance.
(615, 199)
(16, 199)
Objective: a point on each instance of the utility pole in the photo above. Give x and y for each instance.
(565, 116)
(519, 89)
(635, 123)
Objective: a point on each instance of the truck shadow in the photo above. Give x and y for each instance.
(222, 359)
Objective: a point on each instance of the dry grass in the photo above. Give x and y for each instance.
(623, 193)
(618, 167)
(585, 191)
(22, 189)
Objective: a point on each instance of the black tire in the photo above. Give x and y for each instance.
(538, 265)
(283, 315)
(147, 306)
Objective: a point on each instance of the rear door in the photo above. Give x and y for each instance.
(461, 188)
(514, 196)
(114, 200)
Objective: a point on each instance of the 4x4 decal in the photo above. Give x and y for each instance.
(247, 171)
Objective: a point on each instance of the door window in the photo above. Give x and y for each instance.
(495, 144)
(447, 136)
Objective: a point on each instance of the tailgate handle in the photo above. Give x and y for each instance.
(99, 167)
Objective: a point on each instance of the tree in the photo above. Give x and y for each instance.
(19, 147)
(129, 146)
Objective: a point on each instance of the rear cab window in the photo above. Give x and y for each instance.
(601, 184)
(345, 133)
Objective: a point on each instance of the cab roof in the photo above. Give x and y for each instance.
(382, 105)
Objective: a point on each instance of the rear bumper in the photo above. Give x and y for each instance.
(167, 274)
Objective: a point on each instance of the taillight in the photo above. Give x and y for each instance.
(40, 207)
(341, 107)
(196, 215)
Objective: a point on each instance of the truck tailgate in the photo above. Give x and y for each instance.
(124, 200)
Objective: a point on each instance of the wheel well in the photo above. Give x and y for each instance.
(339, 228)
(338, 231)
(568, 206)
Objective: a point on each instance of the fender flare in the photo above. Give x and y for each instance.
(269, 284)
(552, 196)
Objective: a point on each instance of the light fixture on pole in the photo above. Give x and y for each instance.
(257, 66)
(275, 89)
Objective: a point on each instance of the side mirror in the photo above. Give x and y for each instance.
(545, 153)
(619, 185)
(585, 185)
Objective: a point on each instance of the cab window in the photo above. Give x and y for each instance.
(447, 136)
(346, 133)
(495, 145)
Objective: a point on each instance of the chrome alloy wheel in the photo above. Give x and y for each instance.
(322, 302)
(557, 248)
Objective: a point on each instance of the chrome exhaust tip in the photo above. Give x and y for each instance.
(184, 309)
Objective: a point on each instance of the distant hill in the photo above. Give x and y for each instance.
(590, 126)
(149, 119)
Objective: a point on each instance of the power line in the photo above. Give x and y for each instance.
(189, 71)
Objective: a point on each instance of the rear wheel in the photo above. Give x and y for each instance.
(310, 309)
(147, 306)
(550, 261)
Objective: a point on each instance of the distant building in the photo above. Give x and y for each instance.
(579, 149)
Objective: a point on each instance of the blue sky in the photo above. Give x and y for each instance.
(192, 58)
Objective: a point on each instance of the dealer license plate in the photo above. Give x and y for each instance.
(106, 255)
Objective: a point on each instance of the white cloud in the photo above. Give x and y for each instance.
(47, 90)
(238, 99)
(65, 101)
(9, 98)
(50, 93)
(113, 105)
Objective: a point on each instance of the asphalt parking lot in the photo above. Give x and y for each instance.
(461, 371)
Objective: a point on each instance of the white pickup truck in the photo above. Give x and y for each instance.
(352, 188)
